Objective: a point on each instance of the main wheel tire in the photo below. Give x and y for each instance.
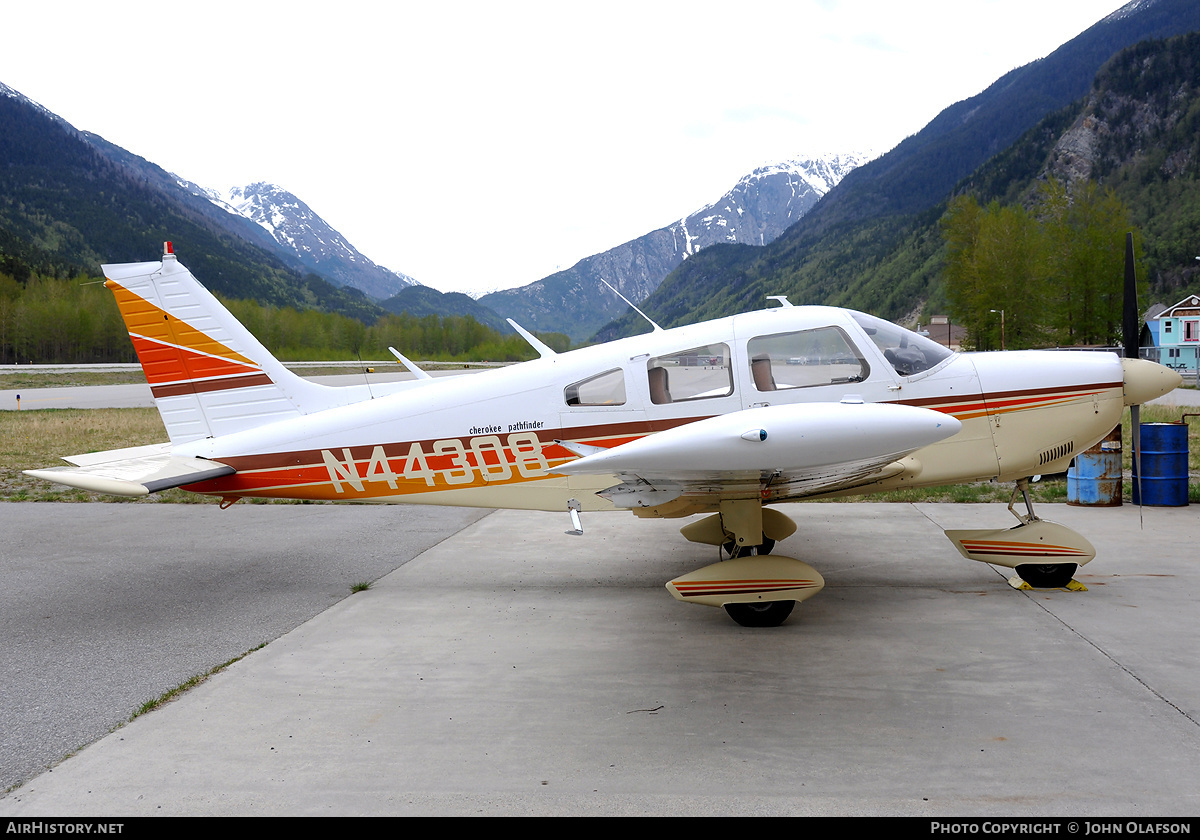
(1047, 575)
(760, 614)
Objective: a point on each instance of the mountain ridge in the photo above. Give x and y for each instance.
(869, 244)
(71, 201)
(296, 228)
(756, 210)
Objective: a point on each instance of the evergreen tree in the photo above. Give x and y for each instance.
(1055, 271)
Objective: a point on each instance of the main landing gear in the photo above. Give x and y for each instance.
(734, 550)
(756, 590)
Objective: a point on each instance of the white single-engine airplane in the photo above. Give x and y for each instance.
(727, 417)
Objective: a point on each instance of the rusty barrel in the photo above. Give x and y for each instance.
(1094, 477)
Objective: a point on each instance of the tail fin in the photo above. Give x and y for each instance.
(208, 374)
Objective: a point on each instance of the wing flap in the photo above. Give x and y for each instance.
(137, 471)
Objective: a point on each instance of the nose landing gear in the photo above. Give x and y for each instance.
(1045, 555)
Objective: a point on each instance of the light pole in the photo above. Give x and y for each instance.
(1001, 311)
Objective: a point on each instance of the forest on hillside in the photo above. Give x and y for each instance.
(45, 320)
(1048, 274)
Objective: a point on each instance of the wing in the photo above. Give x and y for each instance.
(136, 471)
(776, 452)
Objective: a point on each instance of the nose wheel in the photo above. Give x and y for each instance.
(1047, 575)
(1039, 575)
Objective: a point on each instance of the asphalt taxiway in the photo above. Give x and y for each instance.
(512, 669)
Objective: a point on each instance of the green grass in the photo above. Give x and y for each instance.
(39, 438)
(168, 696)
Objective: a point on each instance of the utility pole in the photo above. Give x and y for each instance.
(1001, 311)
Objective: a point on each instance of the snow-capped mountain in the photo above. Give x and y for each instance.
(12, 93)
(296, 228)
(766, 202)
(756, 210)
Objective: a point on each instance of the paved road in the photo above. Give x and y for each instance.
(106, 606)
(511, 669)
(1179, 397)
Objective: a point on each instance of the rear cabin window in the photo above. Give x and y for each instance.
(805, 359)
(698, 373)
(606, 388)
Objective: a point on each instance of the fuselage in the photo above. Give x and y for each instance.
(489, 439)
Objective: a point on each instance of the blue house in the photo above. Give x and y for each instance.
(1175, 334)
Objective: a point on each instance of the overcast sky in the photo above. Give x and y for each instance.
(477, 146)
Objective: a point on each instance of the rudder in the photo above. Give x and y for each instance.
(209, 375)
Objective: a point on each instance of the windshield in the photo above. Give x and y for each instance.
(907, 352)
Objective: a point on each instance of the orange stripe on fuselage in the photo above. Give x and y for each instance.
(1005, 402)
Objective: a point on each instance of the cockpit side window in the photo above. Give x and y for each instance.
(805, 359)
(907, 352)
(606, 388)
(697, 373)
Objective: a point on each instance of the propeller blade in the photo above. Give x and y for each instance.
(1129, 309)
(1135, 422)
(1129, 334)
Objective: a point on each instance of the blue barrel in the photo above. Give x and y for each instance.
(1094, 478)
(1164, 481)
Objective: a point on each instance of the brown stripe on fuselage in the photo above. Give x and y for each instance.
(949, 404)
(399, 449)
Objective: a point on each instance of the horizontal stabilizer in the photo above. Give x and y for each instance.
(137, 471)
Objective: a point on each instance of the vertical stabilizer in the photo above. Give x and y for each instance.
(208, 374)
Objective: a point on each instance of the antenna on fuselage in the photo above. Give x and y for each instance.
(657, 328)
(366, 378)
(412, 368)
(536, 343)
(783, 301)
